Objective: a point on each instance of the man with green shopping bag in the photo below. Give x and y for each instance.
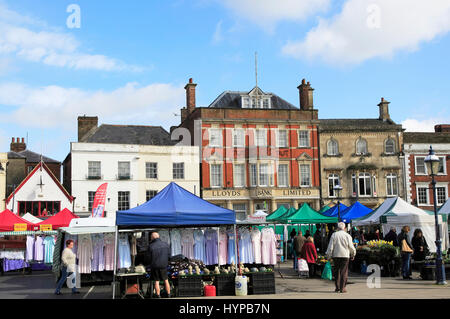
(341, 249)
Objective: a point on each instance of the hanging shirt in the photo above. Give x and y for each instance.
(175, 242)
(39, 249)
(187, 243)
(30, 248)
(245, 246)
(199, 245)
(108, 240)
(256, 244)
(223, 247)
(211, 247)
(98, 260)
(164, 236)
(231, 247)
(268, 247)
(49, 248)
(124, 251)
(85, 253)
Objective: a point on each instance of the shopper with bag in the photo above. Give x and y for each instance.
(299, 241)
(341, 249)
(309, 253)
(406, 251)
(68, 259)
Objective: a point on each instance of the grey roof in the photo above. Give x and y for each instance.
(32, 157)
(420, 137)
(129, 134)
(358, 125)
(13, 155)
(232, 100)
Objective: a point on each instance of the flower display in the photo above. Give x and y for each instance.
(379, 243)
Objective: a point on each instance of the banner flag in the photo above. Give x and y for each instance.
(98, 207)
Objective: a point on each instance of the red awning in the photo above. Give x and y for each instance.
(8, 219)
(61, 219)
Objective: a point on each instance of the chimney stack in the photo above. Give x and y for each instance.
(306, 96)
(442, 128)
(85, 124)
(190, 95)
(384, 110)
(18, 146)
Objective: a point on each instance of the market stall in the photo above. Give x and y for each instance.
(395, 212)
(333, 211)
(354, 211)
(31, 218)
(175, 208)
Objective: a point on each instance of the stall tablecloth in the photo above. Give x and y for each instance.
(14, 264)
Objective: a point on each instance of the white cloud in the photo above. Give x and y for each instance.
(367, 29)
(24, 38)
(425, 125)
(217, 36)
(58, 107)
(266, 13)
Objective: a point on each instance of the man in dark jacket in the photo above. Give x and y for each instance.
(158, 258)
(318, 240)
(392, 236)
(299, 240)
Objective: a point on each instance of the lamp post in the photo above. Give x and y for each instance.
(432, 163)
(337, 188)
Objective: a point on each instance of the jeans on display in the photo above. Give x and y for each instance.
(64, 275)
(406, 264)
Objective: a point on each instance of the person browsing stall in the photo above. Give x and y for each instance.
(158, 260)
(68, 259)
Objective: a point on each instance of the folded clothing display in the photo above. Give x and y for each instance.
(14, 264)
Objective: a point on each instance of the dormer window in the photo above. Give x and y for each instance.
(256, 99)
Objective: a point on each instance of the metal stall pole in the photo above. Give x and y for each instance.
(218, 246)
(116, 242)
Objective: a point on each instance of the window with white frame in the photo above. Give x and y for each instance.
(216, 175)
(283, 175)
(94, 169)
(215, 137)
(391, 184)
(361, 147)
(124, 170)
(282, 138)
(149, 194)
(261, 137)
(442, 170)
(239, 175)
(151, 170)
(389, 147)
(238, 138)
(245, 102)
(303, 139)
(241, 211)
(332, 147)
(422, 195)
(364, 182)
(441, 194)
(333, 180)
(123, 202)
(420, 165)
(263, 174)
(305, 175)
(266, 103)
(178, 170)
(91, 196)
(253, 175)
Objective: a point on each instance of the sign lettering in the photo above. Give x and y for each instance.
(20, 227)
(45, 227)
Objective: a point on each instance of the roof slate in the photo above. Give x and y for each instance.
(421, 137)
(232, 100)
(358, 125)
(129, 134)
(32, 157)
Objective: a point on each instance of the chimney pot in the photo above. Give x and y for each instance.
(23, 140)
(190, 80)
(306, 95)
(13, 140)
(303, 81)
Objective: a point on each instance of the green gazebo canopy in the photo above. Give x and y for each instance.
(324, 209)
(306, 215)
(276, 214)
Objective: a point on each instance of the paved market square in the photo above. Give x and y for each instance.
(40, 285)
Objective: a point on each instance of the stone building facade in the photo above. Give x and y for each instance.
(258, 151)
(364, 156)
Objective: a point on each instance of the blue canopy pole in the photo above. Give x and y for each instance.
(116, 241)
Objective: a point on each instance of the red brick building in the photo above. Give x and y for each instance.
(258, 151)
(417, 180)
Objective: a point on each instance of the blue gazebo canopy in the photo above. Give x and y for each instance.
(175, 206)
(355, 211)
(333, 211)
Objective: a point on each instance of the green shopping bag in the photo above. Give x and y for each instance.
(327, 273)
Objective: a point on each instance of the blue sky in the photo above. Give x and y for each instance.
(129, 60)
